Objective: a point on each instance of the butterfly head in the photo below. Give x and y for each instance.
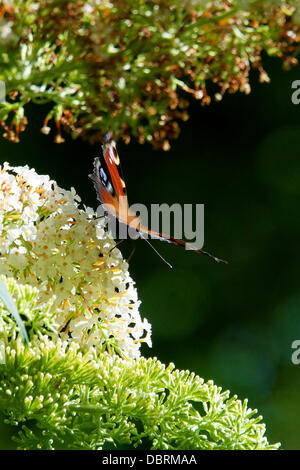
(108, 138)
(110, 151)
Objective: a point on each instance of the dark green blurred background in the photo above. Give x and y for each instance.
(231, 323)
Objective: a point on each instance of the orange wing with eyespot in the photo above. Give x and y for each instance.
(111, 192)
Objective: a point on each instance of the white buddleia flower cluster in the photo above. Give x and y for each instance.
(47, 241)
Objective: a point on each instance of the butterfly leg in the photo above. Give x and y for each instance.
(117, 244)
(132, 251)
(103, 215)
(131, 254)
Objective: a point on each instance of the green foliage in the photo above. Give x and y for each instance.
(61, 395)
(124, 66)
(8, 301)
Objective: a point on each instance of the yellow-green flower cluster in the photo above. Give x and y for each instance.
(47, 241)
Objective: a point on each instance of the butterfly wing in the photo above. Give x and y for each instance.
(108, 183)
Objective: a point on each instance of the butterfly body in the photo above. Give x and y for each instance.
(111, 192)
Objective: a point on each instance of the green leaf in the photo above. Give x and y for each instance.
(8, 301)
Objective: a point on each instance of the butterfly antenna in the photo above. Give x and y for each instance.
(161, 257)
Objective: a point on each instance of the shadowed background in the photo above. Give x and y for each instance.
(231, 323)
